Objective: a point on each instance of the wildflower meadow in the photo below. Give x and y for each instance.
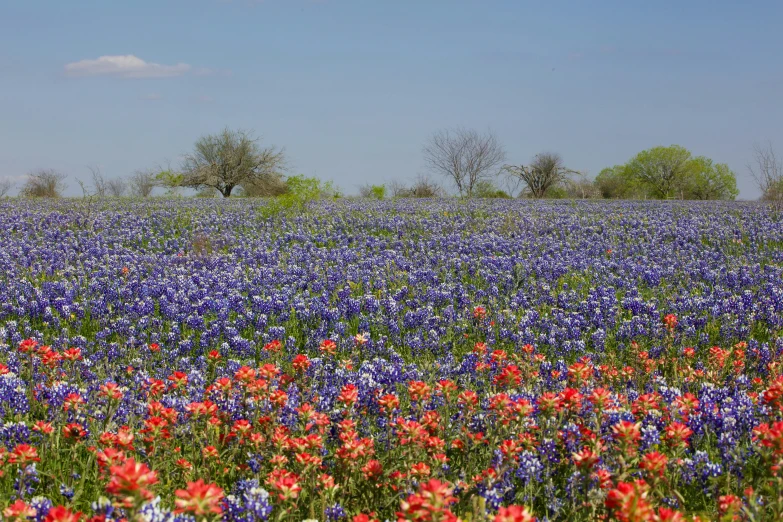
(429, 360)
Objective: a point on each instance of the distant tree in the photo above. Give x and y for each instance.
(142, 183)
(486, 189)
(230, 159)
(708, 180)
(116, 187)
(464, 156)
(372, 191)
(767, 170)
(5, 187)
(579, 187)
(98, 181)
(669, 172)
(616, 183)
(171, 181)
(661, 169)
(423, 187)
(544, 172)
(45, 183)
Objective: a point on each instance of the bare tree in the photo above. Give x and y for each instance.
(44, 183)
(581, 188)
(544, 172)
(98, 181)
(423, 187)
(142, 183)
(228, 160)
(5, 187)
(116, 187)
(767, 170)
(465, 156)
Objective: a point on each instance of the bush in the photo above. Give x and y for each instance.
(44, 184)
(487, 189)
(300, 191)
(373, 191)
(422, 188)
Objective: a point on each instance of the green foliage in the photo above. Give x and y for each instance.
(616, 183)
(301, 191)
(487, 189)
(668, 172)
(707, 180)
(169, 180)
(378, 191)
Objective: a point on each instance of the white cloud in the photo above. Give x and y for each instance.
(127, 66)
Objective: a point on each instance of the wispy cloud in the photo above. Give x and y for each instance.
(205, 99)
(206, 71)
(153, 96)
(124, 66)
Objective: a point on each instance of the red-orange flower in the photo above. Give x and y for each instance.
(199, 498)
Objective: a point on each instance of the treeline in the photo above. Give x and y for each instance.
(470, 163)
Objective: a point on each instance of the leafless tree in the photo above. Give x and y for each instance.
(465, 156)
(228, 160)
(5, 187)
(116, 187)
(44, 183)
(767, 170)
(423, 187)
(581, 188)
(513, 185)
(544, 172)
(142, 183)
(98, 181)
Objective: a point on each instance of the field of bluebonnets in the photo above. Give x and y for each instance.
(506, 361)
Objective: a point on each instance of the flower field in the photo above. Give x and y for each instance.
(436, 360)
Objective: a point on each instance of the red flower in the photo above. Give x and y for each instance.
(274, 346)
(178, 379)
(110, 390)
(301, 363)
(514, 514)
(28, 345)
(372, 470)
(62, 514)
(365, 518)
(23, 454)
(585, 458)
(199, 498)
(129, 481)
(348, 395)
(328, 347)
(654, 462)
(72, 354)
(419, 391)
(19, 510)
(629, 502)
(670, 321)
(677, 434)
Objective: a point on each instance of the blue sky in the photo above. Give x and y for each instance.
(353, 88)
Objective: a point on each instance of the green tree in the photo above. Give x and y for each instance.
(615, 183)
(669, 172)
(708, 180)
(228, 160)
(661, 169)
